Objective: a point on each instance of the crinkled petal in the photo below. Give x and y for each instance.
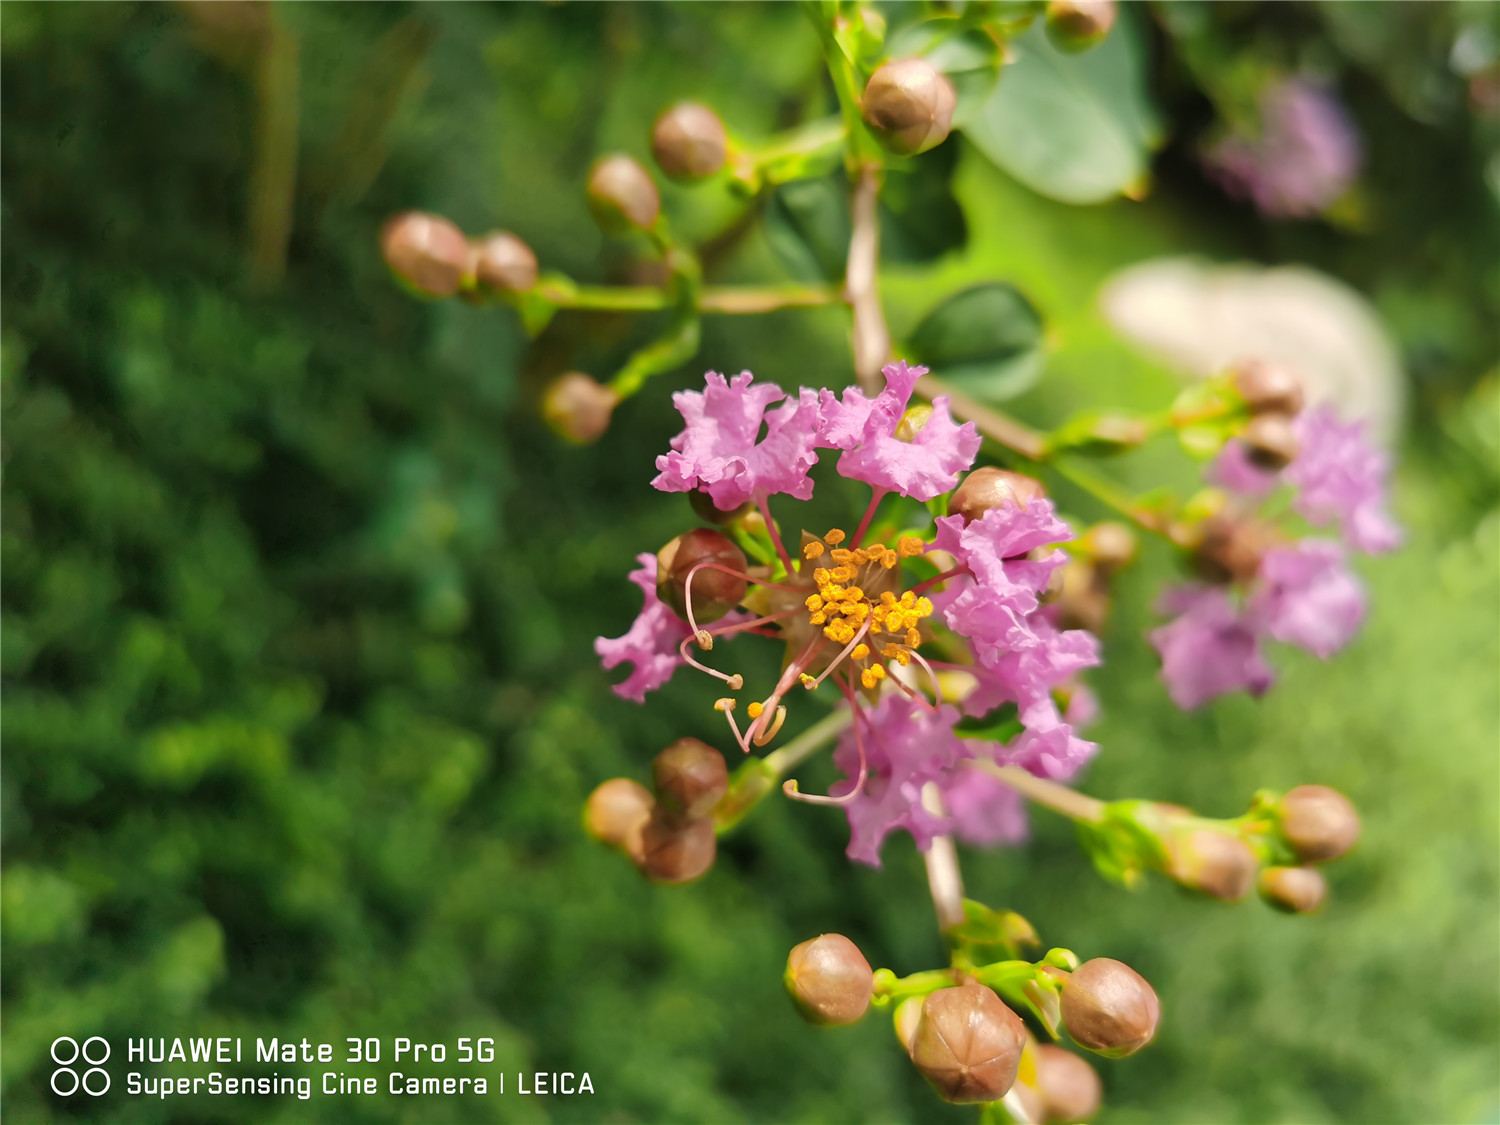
(984, 810)
(651, 643)
(1308, 597)
(1340, 476)
(1233, 469)
(1209, 649)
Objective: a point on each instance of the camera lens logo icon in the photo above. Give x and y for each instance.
(66, 1080)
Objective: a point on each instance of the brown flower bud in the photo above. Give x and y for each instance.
(705, 509)
(909, 104)
(1076, 25)
(829, 980)
(615, 810)
(988, 488)
(427, 251)
(908, 1016)
(968, 1044)
(1084, 600)
(1270, 441)
(1218, 864)
(1230, 550)
(505, 262)
(1268, 388)
(1069, 1087)
(714, 592)
(1320, 823)
(689, 142)
(673, 850)
(1297, 890)
(1110, 545)
(690, 777)
(1109, 1008)
(622, 195)
(578, 407)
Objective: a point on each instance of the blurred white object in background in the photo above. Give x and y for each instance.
(1201, 317)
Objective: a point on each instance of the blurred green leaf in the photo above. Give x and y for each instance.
(985, 340)
(807, 225)
(920, 219)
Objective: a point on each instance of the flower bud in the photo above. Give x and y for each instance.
(1083, 602)
(1218, 864)
(1110, 545)
(1297, 890)
(622, 195)
(829, 980)
(968, 1044)
(1320, 823)
(908, 1016)
(714, 592)
(1077, 25)
(690, 777)
(673, 850)
(428, 252)
(1109, 1008)
(689, 142)
(705, 509)
(1268, 388)
(1270, 441)
(578, 407)
(909, 104)
(505, 263)
(615, 810)
(913, 422)
(1070, 1089)
(1230, 550)
(988, 488)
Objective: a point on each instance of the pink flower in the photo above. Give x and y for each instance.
(1209, 649)
(925, 467)
(1308, 597)
(984, 810)
(1340, 476)
(1232, 469)
(652, 642)
(718, 450)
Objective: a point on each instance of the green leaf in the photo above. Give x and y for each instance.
(807, 225)
(1076, 128)
(985, 340)
(985, 932)
(919, 218)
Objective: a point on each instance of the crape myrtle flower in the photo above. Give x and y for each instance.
(856, 609)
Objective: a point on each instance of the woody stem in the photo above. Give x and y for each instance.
(944, 879)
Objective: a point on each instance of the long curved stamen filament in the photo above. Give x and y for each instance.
(705, 637)
(923, 587)
(770, 732)
(735, 682)
(789, 787)
(838, 660)
(727, 707)
(937, 691)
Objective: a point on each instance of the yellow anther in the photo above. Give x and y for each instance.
(887, 598)
(854, 594)
(813, 602)
(820, 576)
(924, 606)
(910, 546)
(889, 559)
(842, 573)
(841, 555)
(812, 550)
(834, 537)
(725, 704)
(809, 682)
(909, 621)
(754, 710)
(861, 556)
(913, 638)
(872, 675)
(891, 651)
(817, 618)
(903, 657)
(860, 652)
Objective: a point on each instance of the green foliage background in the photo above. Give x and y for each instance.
(300, 705)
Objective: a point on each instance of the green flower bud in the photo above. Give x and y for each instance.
(829, 980)
(689, 142)
(1111, 546)
(690, 776)
(988, 488)
(1218, 864)
(505, 263)
(909, 105)
(674, 850)
(714, 593)
(1268, 388)
(578, 407)
(615, 810)
(968, 1044)
(1270, 441)
(1077, 25)
(1070, 1089)
(1296, 890)
(1109, 1008)
(622, 195)
(1320, 823)
(913, 422)
(427, 252)
(705, 509)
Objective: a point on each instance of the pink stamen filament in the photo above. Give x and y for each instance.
(700, 633)
(923, 587)
(937, 691)
(839, 659)
(789, 787)
(864, 524)
(765, 514)
(771, 709)
(735, 681)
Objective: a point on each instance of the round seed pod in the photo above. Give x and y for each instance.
(673, 850)
(1077, 25)
(1269, 388)
(1109, 1008)
(428, 252)
(1320, 823)
(615, 810)
(1218, 864)
(829, 980)
(1070, 1089)
(1296, 890)
(909, 104)
(1270, 441)
(714, 592)
(988, 487)
(578, 407)
(505, 263)
(968, 1044)
(689, 141)
(690, 776)
(622, 196)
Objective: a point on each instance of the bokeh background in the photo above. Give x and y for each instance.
(300, 705)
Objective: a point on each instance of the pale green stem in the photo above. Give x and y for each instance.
(1058, 798)
(809, 742)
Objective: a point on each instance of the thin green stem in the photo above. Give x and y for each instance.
(1058, 798)
(723, 300)
(1015, 436)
